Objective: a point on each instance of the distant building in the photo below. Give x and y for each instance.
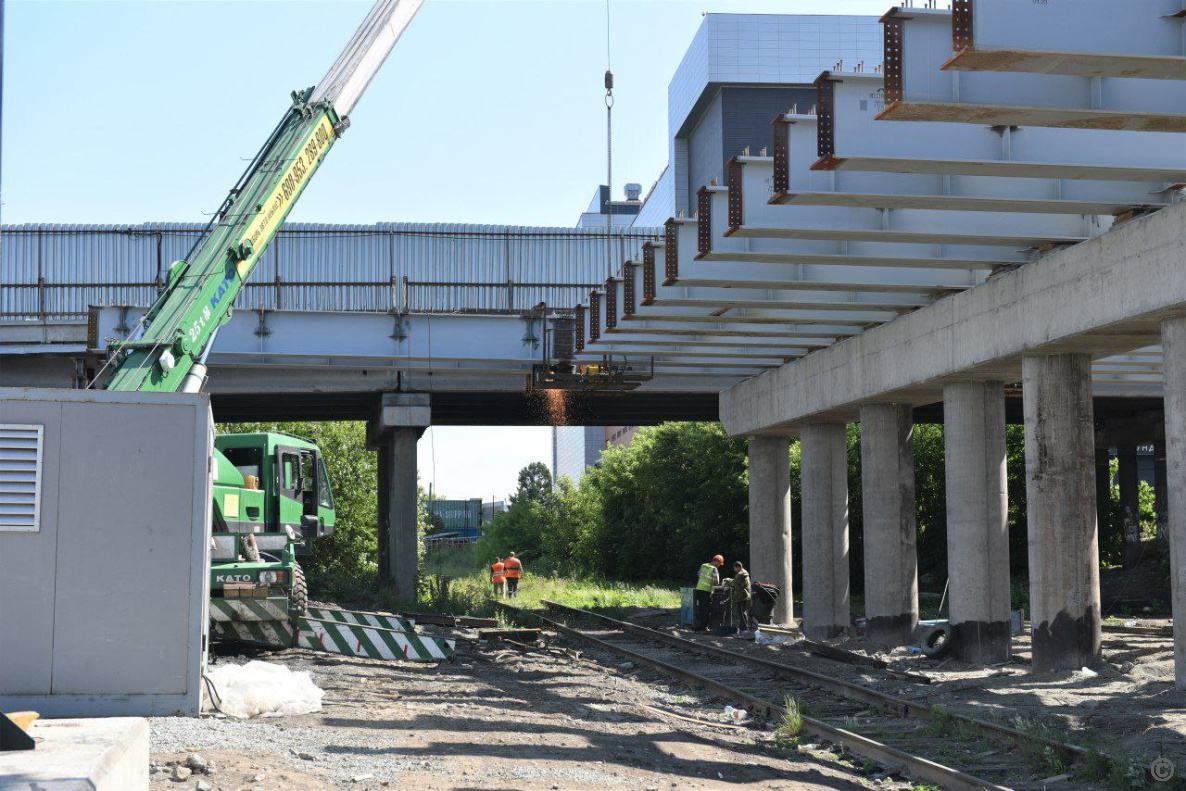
(491, 510)
(619, 436)
(575, 449)
(623, 211)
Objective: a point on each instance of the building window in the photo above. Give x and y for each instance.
(20, 477)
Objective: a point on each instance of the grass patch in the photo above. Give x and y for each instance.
(786, 737)
(450, 587)
(1042, 758)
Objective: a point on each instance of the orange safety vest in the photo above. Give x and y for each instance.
(498, 570)
(514, 568)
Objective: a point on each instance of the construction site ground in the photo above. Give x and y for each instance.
(505, 718)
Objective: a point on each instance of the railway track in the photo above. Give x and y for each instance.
(927, 744)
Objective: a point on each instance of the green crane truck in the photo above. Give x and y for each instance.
(272, 496)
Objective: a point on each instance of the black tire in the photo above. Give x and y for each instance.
(298, 599)
(938, 642)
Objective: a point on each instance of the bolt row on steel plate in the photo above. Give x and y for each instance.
(995, 132)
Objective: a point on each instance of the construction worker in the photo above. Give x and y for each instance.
(498, 575)
(740, 595)
(514, 568)
(707, 579)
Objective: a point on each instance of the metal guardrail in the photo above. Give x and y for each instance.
(52, 272)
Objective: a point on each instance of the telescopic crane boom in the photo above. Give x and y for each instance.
(167, 352)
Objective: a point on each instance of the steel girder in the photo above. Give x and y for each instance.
(958, 228)
(1086, 38)
(849, 106)
(452, 344)
(919, 42)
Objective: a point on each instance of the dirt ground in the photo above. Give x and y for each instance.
(490, 719)
(506, 719)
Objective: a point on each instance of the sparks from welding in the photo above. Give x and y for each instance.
(556, 407)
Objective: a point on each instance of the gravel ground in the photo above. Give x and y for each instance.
(491, 719)
(1128, 709)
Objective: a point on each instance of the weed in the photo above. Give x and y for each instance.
(1126, 773)
(1041, 757)
(787, 735)
(1095, 767)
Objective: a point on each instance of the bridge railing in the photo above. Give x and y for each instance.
(56, 272)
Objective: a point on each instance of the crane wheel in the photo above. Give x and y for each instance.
(298, 599)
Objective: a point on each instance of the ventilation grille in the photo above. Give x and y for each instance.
(20, 477)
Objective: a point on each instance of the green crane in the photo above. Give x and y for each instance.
(272, 496)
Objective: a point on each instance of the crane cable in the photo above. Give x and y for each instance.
(609, 150)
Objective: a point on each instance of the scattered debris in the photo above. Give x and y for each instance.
(264, 689)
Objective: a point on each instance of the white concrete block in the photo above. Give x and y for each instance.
(80, 755)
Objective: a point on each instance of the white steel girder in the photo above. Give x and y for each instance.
(1086, 38)
(449, 344)
(945, 149)
(761, 219)
(919, 42)
(849, 105)
(707, 255)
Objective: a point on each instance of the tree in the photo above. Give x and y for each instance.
(535, 484)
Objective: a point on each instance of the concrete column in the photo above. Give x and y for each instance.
(402, 551)
(1173, 343)
(1060, 489)
(977, 520)
(1130, 502)
(401, 419)
(770, 519)
(1160, 490)
(384, 501)
(887, 485)
(824, 476)
(1103, 483)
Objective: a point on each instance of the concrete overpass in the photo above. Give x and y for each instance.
(1010, 252)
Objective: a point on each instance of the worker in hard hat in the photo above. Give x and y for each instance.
(498, 575)
(514, 568)
(706, 580)
(740, 595)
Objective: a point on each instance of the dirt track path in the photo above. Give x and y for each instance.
(489, 720)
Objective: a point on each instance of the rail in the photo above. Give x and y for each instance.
(919, 768)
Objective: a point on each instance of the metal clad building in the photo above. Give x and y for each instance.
(739, 72)
(58, 271)
(575, 449)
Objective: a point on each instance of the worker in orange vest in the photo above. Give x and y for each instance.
(498, 574)
(514, 568)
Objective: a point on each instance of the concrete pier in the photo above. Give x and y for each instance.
(977, 520)
(402, 418)
(770, 520)
(1060, 492)
(1173, 340)
(402, 557)
(1160, 489)
(1103, 482)
(891, 562)
(1130, 502)
(824, 475)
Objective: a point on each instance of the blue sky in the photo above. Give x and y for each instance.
(486, 112)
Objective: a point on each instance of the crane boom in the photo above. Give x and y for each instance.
(199, 292)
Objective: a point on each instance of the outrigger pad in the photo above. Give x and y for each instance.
(13, 736)
(273, 634)
(373, 642)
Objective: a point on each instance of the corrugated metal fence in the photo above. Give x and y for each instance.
(58, 271)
